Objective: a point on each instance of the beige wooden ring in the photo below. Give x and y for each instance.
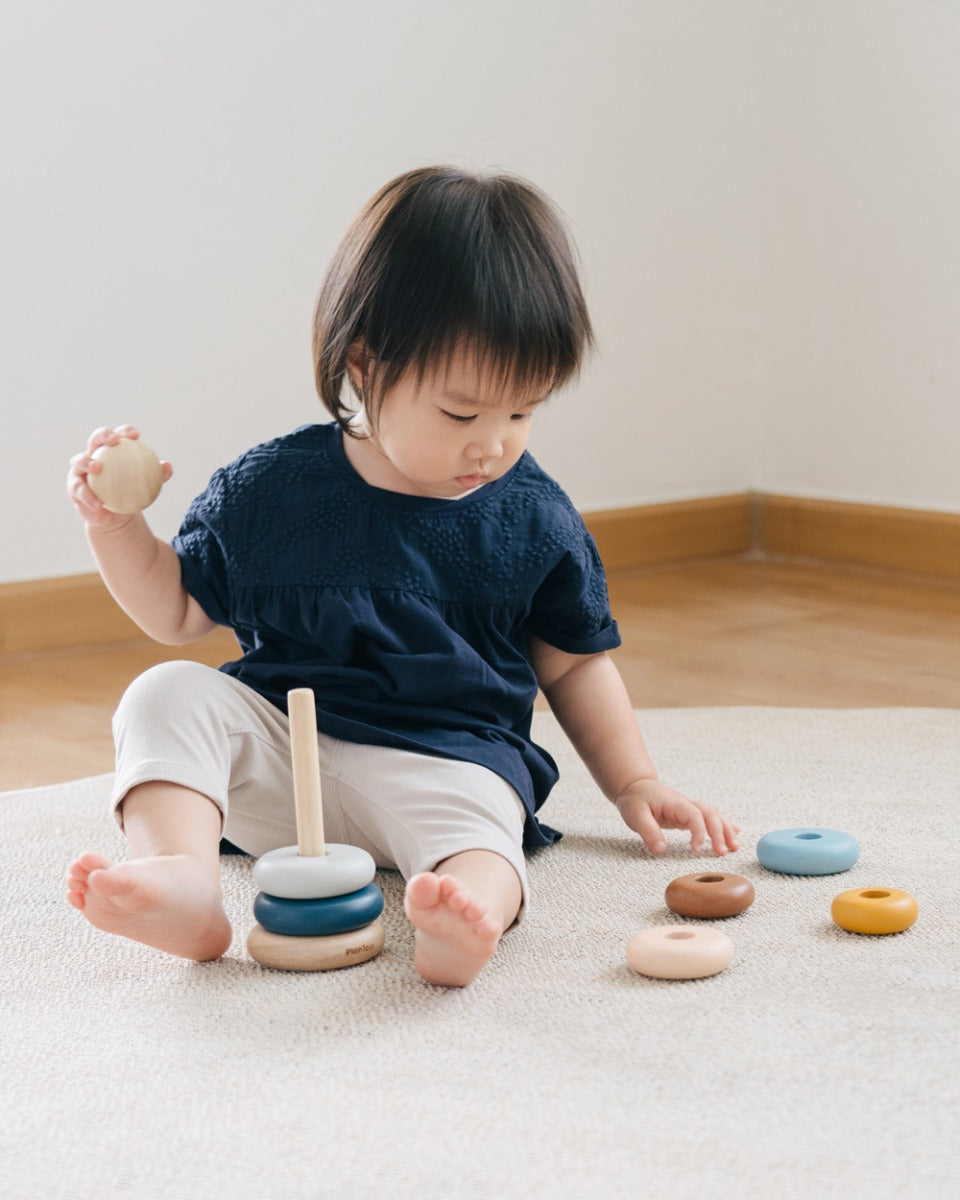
(710, 894)
(294, 876)
(315, 953)
(679, 952)
(130, 476)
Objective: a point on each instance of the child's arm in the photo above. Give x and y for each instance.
(141, 571)
(591, 703)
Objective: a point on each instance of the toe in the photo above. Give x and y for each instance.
(487, 929)
(423, 891)
(87, 862)
(90, 860)
(458, 902)
(113, 882)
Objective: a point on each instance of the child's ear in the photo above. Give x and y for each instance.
(358, 359)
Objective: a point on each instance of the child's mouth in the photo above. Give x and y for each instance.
(470, 481)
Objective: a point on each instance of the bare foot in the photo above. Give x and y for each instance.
(172, 902)
(456, 936)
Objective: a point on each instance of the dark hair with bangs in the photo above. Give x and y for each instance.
(441, 259)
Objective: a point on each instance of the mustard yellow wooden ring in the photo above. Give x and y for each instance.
(874, 910)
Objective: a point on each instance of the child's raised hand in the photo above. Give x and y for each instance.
(649, 806)
(83, 465)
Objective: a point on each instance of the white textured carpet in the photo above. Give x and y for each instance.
(819, 1064)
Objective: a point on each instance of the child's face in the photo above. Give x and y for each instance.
(450, 433)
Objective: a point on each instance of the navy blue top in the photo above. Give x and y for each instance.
(407, 615)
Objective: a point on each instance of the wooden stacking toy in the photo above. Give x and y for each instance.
(130, 476)
(679, 952)
(318, 907)
(807, 851)
(709, 895)
(874, 910)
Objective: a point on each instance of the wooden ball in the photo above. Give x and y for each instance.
(711, 894)
(315, 953)
(130, 476)
(319, 918)
(294, 876)
(679, 952)
(874, 910)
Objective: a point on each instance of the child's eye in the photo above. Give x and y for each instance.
(522, 416)
(458, 418)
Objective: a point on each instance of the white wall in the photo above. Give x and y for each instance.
(177, 175)
(866, 363)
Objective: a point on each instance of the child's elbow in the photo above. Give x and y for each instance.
(191, 625)
(555, 667)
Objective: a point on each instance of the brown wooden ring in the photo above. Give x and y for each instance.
(709, 894)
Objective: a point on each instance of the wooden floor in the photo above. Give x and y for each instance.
(734, 632)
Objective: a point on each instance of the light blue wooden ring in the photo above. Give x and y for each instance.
(319, 918)
(292, 876)
(807, 851)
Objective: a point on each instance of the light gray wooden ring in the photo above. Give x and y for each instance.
(292, 876)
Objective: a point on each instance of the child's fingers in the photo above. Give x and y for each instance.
(639, 817)
(80, 467)
(90, 507)
(89, 503)
(83, 465)
(716, 829)
(104, 436)
(107, 435)
(696, 825)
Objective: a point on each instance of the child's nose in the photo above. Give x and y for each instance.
(483, 448)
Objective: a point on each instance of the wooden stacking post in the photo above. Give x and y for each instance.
(306, 772)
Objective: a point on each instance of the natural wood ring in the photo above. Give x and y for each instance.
(315, 953)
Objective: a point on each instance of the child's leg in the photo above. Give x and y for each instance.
(168, 896)
(454, 830)
(197, 753)
(460, 911)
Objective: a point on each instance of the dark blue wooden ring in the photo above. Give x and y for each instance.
(319, 918)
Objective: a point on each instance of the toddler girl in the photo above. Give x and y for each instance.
(409, 562)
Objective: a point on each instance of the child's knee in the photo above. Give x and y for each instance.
(165, 688)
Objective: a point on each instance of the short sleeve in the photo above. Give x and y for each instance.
(571, 609)
(200, 545)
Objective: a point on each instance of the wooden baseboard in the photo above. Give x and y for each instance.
(77, 610)
(915, 541)
(650, 534)
(51, 614)
(867, 535)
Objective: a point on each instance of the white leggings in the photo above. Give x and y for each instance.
(185, 723)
